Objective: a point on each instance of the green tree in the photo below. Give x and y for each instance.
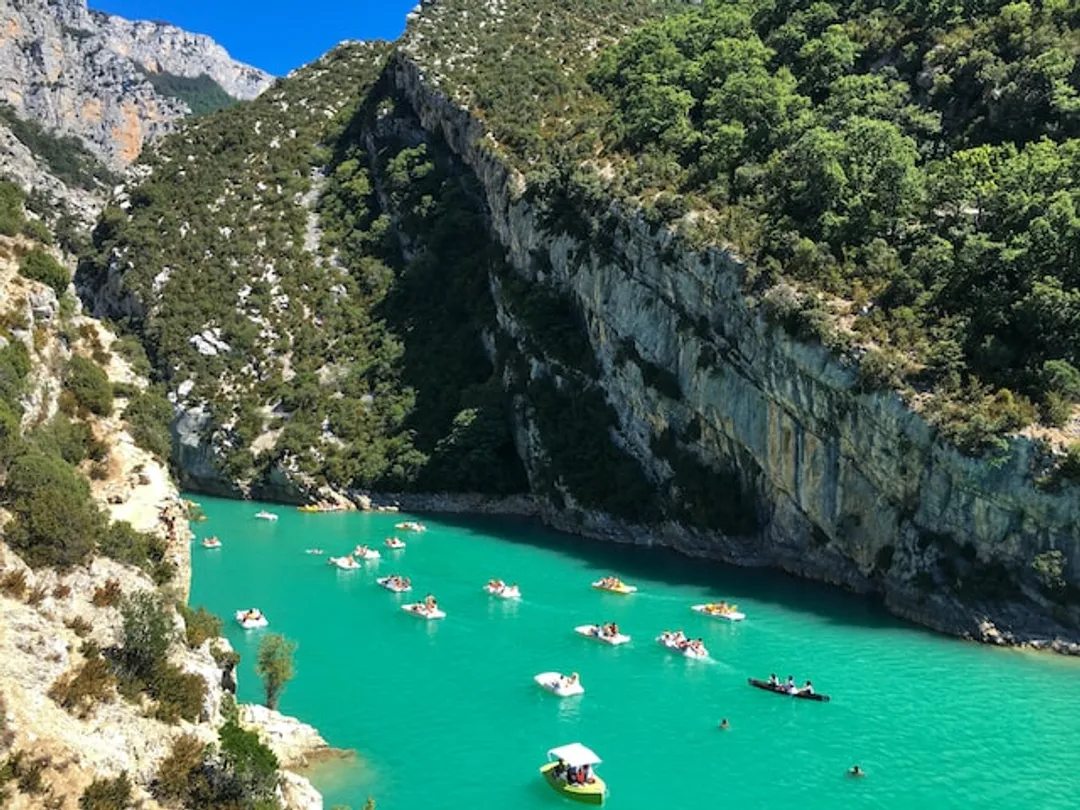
(146, 634)
(275, 666)
(56, 523)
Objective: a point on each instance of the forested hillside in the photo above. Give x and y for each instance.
(901, 179)
(274, 291)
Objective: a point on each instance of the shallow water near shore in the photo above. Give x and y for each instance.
(446, 714)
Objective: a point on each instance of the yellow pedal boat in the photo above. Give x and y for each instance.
(574, 756)
(618, 586)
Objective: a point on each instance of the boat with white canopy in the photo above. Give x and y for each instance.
(571, 772)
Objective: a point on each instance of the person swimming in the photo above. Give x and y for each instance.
(724, 724)
(856, 771)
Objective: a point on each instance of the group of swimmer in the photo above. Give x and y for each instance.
(790, 687)
(679, 641)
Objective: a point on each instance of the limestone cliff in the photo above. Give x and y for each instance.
(810, 475)
(52, 621)
(88, 74)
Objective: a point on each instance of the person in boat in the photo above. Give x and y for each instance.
(789, 685)
(613, 629)
(573, 679)
(773, 680)
(407, 582)
(724, 724)
(584, 776)
(856, 771)
(430, 603)
(808, 689)
(559, 770)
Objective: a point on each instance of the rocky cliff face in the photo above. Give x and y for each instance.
(48, 617)
(811, 475)
(84, 73)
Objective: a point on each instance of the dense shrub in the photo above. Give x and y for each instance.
(124, 544)
(107, 794)
(201, 94)
(200, 625)
(108, 595)
(242, 775)
(180, 695)
(79, 626)
(12, 218)
(149, 415)
(80, 690)
(39, 265)
(56, 524)
(1049, 568)
(177, 772)
(13, 584)
(146, 634)
(89, 384)
(36, 595)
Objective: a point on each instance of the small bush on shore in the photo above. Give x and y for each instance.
(36, 596)
(61, 591)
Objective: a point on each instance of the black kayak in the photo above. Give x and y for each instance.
(780, 690)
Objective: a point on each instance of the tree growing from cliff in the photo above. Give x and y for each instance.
(275, 666)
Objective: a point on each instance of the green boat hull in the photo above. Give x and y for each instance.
(591, 793)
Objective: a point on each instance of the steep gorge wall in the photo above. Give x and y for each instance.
(836, 485)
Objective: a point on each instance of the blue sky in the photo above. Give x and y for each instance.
(275, 35)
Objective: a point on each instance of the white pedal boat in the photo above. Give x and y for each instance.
(411, 526)
(559, 684)
(366, 553)
(265, 516)
(211, 542)
(672, 643)
(593, 631)
(419, 610)
(251, 619)
(503, 591)
(727, 615)
(391, 585)
(344, 563)
(394, 543)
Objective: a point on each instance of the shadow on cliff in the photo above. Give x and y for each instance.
(723, 581)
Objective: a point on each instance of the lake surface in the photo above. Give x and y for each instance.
(446, 714)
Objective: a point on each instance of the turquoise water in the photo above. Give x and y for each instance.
(446, 714)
